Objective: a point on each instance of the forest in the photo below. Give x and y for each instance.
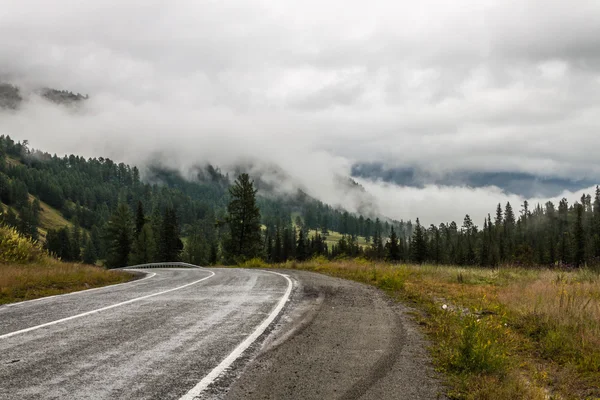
(118, 217)
(93, 193)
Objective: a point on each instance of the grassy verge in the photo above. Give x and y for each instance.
(507, 333)
(27, 272)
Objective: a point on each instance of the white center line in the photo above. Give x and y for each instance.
(238, 351)
(58, 321)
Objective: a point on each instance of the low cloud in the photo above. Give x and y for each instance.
(314, 88)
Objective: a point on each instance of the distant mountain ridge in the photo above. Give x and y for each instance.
(12, 96)
(520, 183)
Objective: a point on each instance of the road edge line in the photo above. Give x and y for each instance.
(239, 350)
(26, 302)
(58, 321)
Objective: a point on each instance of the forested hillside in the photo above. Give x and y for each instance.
(88, 192)
(165, 216)
(11, 96)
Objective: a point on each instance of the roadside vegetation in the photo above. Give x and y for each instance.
(496, 333)
(28, 272)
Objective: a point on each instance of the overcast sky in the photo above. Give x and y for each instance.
(316, 86)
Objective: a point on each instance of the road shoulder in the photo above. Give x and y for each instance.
(339, 340)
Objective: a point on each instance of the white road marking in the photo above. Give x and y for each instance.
(79, 291)
(238, 351)
(7, 335)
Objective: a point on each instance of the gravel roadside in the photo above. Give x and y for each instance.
(339, 340)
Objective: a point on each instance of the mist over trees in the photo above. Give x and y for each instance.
(113, 213)
(118, 218)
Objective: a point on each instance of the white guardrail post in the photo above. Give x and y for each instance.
(161, 265)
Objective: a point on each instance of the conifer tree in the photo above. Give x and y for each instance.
(119, 235)
(143, 249)
(301, 248)
(140, 219)
(270, 250)
(170, 244)
(393, 248)
(214, 254)
(418, 244)
(76, 242)
(89, 252)
(244, 241)
(596, 225)
(278, 249)
(579, 237)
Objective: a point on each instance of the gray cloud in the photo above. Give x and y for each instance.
(315, 87)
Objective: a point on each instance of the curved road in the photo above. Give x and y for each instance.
(157, 337)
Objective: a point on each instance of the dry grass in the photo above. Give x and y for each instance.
(333, 238)
(20, 282)
(508, 333)
(51, 218)
(27, 272)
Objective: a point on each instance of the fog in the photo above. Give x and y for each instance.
(303, 90)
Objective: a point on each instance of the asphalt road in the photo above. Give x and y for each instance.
(215, 334)
(154, 338)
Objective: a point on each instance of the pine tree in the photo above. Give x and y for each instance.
(244, 221)
(579, 237)
(393, 248)
(89, 252)
(76, 242)
(64, 245)
(301, 248)
(596, 225)
(509, 229)
(143, 249)
(278, 250)
(98, 243)
(140, 219)
(270, 248)
(418, 244)
(119, 235)
(213, 258)
(498, 219)
(288, 244)
(170, 244)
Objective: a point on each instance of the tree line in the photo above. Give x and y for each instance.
(121, 219)
(89, 192)
(567, 236)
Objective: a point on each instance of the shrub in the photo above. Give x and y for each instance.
(15, 248)
(253, 263)
(479, 351)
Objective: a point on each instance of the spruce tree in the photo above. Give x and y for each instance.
(596, 225)
(119, 235)
(76, 242)
(393, 248)
(65, 246)
(278, 249)
(143, 249)
(244, 241)
(89, 252)
(270, 248)
(214, 254)
(170, 244)
(140, 219)
(579, 237)
(418, 244)
(301, 249)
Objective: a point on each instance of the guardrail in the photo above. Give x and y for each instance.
(162, 265)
